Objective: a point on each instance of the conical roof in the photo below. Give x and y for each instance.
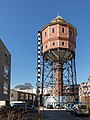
(58, 19)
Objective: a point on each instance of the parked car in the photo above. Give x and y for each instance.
(69, 107)
(64, 106)
(58, 106)
(19, 105)
(80, 109)
(31, 108)
(49, 106)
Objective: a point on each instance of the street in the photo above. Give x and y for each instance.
(60, 114)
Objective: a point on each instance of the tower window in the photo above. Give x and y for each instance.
(70, 45)
(53, 43)
(45, 34)
(71, 32)
(62, 43)
(46, 46)
(62, 30)
(52, 30)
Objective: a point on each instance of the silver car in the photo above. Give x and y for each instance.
(80, 109)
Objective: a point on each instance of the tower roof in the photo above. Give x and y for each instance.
(58, 19)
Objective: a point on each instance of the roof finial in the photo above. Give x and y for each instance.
(58, 15)
(58, 19)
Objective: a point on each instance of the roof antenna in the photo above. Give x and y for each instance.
(57, 13)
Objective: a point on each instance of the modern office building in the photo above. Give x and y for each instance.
(5, 70)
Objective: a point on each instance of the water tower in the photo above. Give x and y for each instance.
(56, 56)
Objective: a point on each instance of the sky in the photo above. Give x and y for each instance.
(20, 21)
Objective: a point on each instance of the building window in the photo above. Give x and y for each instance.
(45, 46)
(5, 72)
(5, 87)
(6, 58)
(33, 97)
(71, 32)
(6, 61)
(70, 45)
(26, 96)
(12, 95)
(22, 96)
(52, 30)
(30, 97)
(53, 43)
(62, 43)
(45, 34)
(62, 30)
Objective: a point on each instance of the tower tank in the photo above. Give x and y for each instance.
(58, 39)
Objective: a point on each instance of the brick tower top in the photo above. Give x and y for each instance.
(58, 37)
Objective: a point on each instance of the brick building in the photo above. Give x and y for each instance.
(5, 70)
(84, 92)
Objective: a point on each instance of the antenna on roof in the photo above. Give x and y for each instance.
(58, 14)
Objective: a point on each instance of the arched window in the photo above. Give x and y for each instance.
(62, 43)
(53, 43)
(52, 30)
(45, 46)
(71, 32)
(62, 30)
(45, 34)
